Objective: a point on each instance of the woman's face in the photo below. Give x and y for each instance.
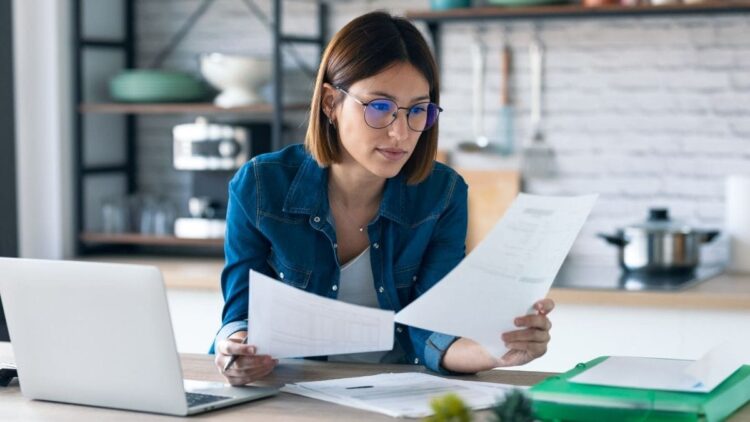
(381, 152)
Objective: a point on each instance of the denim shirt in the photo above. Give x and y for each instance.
(277, 224)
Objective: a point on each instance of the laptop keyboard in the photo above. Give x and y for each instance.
(197, 399)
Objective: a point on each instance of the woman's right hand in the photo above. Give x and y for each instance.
(248, 367)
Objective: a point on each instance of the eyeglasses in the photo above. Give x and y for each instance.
(382, 112)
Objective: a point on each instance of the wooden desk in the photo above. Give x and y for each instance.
(283, 407)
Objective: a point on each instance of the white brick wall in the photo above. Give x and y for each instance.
(645, 111)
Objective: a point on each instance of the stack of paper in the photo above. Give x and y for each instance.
(400, 395)
(700, 376)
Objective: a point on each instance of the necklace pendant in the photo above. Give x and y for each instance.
(361, 229)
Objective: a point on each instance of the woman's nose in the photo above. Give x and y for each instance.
(400, 127)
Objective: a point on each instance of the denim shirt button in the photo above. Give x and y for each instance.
(399, 329)
(381, 289)
(375, 245)
(414, 278)
(316, 219)
(416, 361)
(281, 276)
(335, 287)
(335, 245)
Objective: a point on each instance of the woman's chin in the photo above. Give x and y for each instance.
(386, 172)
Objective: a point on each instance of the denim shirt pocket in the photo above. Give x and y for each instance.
(405, 276)
(296, 277)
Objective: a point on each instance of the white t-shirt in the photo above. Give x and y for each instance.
(358, 287)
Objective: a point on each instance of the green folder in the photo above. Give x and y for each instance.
(557, 399)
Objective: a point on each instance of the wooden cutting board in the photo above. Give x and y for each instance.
(490, 194)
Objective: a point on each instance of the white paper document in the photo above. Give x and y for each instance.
(511, 269)
(288, 322)
(400, 395)
(700, 376)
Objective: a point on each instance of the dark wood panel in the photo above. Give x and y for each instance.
(146, 240)
(178, 108)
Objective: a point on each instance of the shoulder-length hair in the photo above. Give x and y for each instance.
(365, 47)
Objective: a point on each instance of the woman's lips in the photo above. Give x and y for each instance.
(392, 154)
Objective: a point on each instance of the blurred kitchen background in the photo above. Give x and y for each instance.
(647, 105)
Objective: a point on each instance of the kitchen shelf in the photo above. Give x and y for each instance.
(435, 19)
(179, 108)
(574, 10)
(147, 240)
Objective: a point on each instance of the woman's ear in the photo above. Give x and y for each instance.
(328, 102)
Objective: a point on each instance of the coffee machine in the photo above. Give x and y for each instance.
(212, 153)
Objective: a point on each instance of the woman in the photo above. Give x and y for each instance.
(362, 212)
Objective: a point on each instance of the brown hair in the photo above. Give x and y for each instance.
(365, 47)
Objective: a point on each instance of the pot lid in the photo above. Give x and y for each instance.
(659, 222)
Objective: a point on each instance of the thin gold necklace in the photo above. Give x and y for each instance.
(334, 201)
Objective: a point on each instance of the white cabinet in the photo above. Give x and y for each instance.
(582, 332)
(196, 317)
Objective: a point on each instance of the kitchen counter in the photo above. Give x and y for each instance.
(727, 291)
(178, 272)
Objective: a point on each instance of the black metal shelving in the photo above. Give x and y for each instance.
(87, 243)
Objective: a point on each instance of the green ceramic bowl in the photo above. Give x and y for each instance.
(150, 86)
(449, 4)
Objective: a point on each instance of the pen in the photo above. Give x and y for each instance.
(361, 386)
(233, 358)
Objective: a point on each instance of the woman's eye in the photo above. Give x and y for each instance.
(380, 106)
(418, 109)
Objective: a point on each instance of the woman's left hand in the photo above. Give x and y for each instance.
(531, 341)
(527, 344)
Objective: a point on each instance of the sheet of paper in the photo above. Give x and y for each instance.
(512, 268)
(288, 322)
(638, 372)
(718, 363)
(700, 376)
(399, 395)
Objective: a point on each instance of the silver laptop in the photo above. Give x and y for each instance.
(100, 335)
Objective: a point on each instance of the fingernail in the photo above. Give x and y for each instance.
(517, 321)
(251, 349)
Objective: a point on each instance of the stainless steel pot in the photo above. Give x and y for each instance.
(659, 244)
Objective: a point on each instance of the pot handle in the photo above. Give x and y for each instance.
(709, 235)
(616, 240)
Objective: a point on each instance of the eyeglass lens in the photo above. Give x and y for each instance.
(420, 117)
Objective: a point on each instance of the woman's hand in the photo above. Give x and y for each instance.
(530, 342)
(247, 367)
(525, 345)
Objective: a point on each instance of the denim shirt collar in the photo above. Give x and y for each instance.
(308, 193)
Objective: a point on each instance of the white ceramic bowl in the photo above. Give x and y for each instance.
(238, 77)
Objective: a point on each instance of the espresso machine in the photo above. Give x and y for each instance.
(212, 153)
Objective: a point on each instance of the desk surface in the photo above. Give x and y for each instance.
(283, 407)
